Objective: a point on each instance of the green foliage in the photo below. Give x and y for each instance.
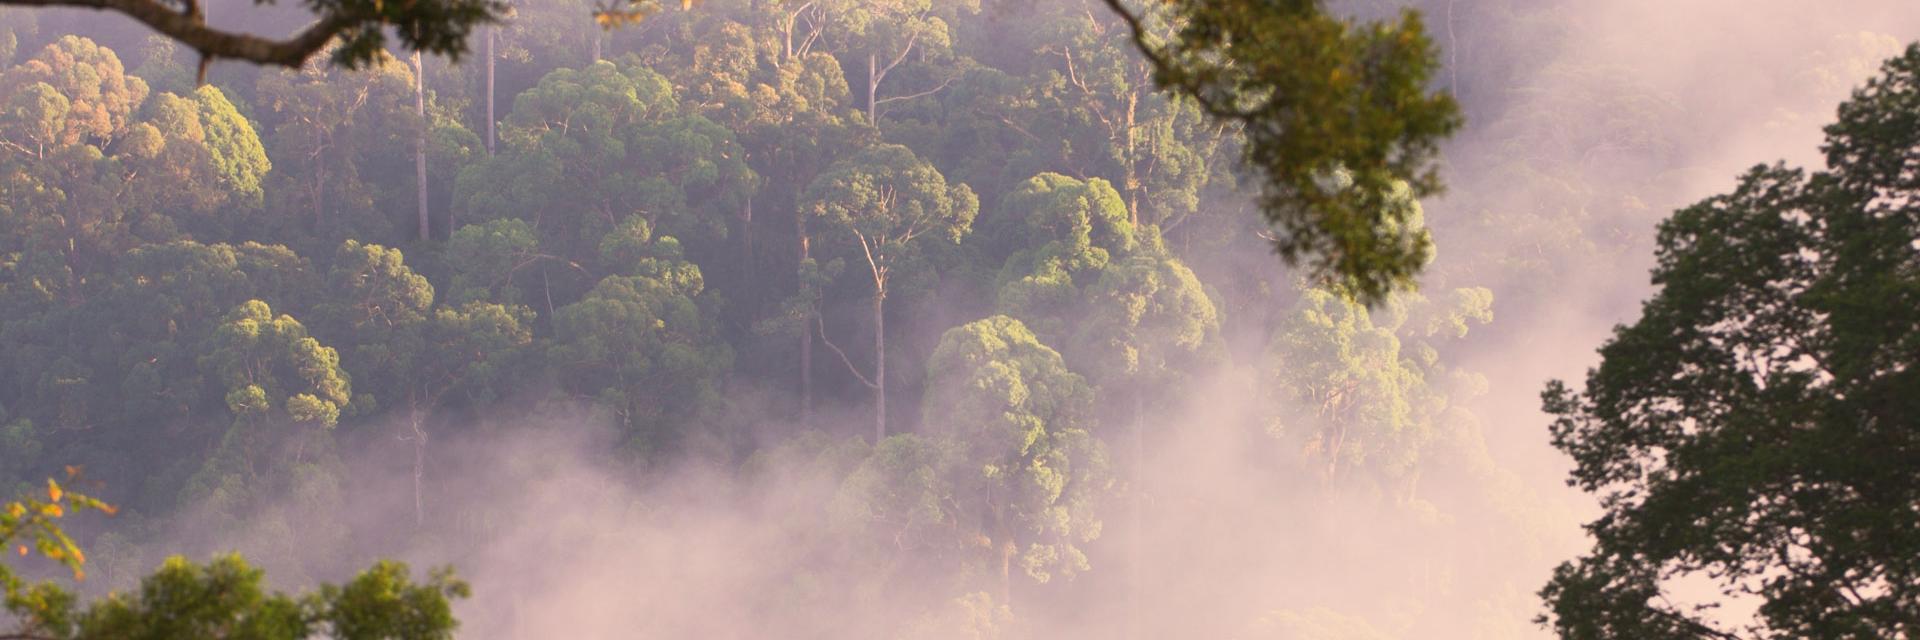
(206, 296)
(1749, 430)
(225, 599)
(269, 364)
(1032, 472)
(1355, 387)
(1148, 323)
(98, 98)
(643, 347)
(338, 139)
(587, 148)
(487, 258)
(884, 199)
(1328, 184)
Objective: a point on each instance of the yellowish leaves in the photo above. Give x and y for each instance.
(610, 15)
(29, 524)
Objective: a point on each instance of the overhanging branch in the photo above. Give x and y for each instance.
(190, 28)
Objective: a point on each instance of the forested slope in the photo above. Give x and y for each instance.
(935, 313)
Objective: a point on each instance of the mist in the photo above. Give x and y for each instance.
(1587, 124)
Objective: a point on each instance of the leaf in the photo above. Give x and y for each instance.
(53, 490)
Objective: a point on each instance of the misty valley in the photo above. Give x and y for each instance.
(969, 319)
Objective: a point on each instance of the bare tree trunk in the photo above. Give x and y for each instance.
(1132, 177)
(420, 142)
(419, 467)
(492, 33)
(873, 87)
(596, 46)
(1137, 547)
(746, 251)
(879, 366)
(806, 329)
(1007, 551)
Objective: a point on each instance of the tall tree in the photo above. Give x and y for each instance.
(642, 343)
(341, 140)
(1753, 428)
(1355, 387)
(420, 147)
(285, 390)
(886, 202)
(1031, 471)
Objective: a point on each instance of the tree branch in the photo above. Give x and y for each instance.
(1165, 75)
(836, 350)
(189, 26)
(921, 94)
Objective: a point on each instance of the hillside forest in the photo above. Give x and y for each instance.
(916, 319)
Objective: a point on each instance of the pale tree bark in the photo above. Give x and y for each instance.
(878, 382)
(419, 439)
(879, 366)
(1137, 547)
(420, 142)
(492, 34)
(806, 336)
(746, 250)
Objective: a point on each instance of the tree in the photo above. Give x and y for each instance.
(1355, 386)
(224, 599)
(413, 353)
(1031, 471)
(1277, 71)
(588, 148)
(642, 344)
(1273, 71)
(1753, 428)
(883, 200)
(283, 387)
(888, 31)
(342, 142)
(1053, 237)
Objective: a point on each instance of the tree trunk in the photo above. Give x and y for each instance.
(319, 178)
(1132, 177)
(1007, 552)
(806, 328)
(1138, 546)
(419, 466)
(873, 87)
(746, 253)
(492, 32)
(596, 46)
(879, 366)
(420, 142)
